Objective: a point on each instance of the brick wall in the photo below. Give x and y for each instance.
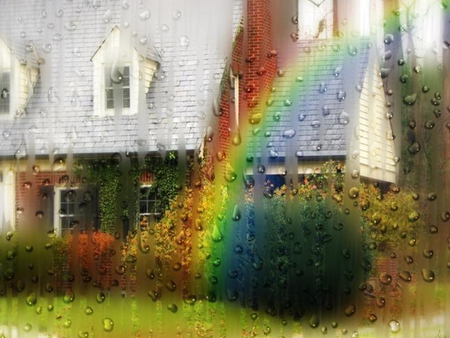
(255, 60)
(41, 179)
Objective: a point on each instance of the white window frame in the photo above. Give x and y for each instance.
(57, 207)
(149, 186)
(310, 15)
(111, 87)
(7, 199)
(5, 112)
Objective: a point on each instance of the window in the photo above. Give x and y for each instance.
(149, 204)
(117, 86)
(316, 19)
(74, 207)
(122, 72)
(4, 93)
(68, 211)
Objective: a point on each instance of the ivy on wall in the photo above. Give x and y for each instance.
(105, 174)
(167, 177)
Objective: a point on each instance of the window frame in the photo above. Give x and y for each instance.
(148, 200)
(331, 19)
(3, 111)
(114, 87)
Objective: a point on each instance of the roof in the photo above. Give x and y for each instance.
(60, 118)
(313, 99)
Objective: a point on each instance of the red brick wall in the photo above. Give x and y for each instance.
(254, 59)
(50, 178)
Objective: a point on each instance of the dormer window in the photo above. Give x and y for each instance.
(117, 81)
(316, 19)
(117, 86)
(5, 93)
(325, 19)
(18, 76)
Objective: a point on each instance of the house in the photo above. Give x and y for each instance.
(100, 80)
(310, 87)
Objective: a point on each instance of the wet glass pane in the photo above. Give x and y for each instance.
(283, 172)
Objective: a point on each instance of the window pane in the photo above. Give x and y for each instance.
(4, 93)
(315, 19)
(109, 99)
(143, 207)
(126, 103)
(126, 77)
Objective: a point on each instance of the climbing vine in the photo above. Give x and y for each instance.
(167, 177)
(105, 174)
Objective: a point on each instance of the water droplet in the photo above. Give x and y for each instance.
(373, 317)
(433, 229)
(100, 297)
(301, 117)
(352, 50)
(277, 116)
(410, 99)
(427, 253)
(236, 213)
(52, 95)
(350, 310)
(88, 310)
(57, 37)
(176, 15)
(428, 275)
(431, 196)
(230, 174)
(31, 299)
(70, 26)
(144, 15)
(388, 39)
(69, 296)
(289, 133)
(385, 278)
(28, 327)
(273, 153)
(326, 111)
(164, 28)
(216, 235)
(47, 47)
(394, 326)
(108, 324)
(143, 40)
(405, 276)
(184, 41)
(261, 169)
(315, 124)
(237, 138)
(341, 95)
(353, 192)
(322, 88)
(414, 148)
(344, 118)
(314, 321)
(172, 308)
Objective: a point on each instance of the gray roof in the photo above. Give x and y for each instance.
(66, 34)
(306, 114)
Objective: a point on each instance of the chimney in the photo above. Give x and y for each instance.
(254, 62)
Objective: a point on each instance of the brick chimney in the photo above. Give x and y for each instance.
(254, 62)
